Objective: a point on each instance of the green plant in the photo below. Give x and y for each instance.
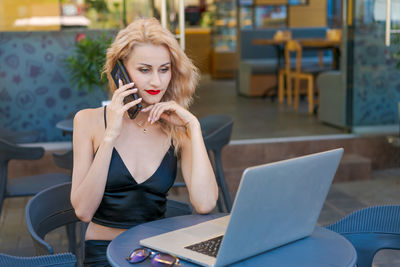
(86, 64)
(396, 47)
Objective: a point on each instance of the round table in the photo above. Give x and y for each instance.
(322, 248)
(67, 126)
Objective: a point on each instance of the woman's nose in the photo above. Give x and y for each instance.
(155, 80)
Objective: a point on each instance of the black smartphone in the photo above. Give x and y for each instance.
(119, 73)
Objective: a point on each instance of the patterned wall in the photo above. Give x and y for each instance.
(376, 78)
(35, 88)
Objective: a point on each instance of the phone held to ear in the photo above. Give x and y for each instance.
(119, 73)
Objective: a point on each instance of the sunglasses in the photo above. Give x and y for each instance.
(158, 259)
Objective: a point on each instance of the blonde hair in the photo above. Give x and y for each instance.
(184, 76)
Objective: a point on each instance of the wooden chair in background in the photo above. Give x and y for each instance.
(293, 46)
(283, 35)
(334, 34)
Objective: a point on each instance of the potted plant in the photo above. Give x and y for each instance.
(86, 64)
(396, 42)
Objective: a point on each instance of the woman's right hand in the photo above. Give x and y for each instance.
(116, 109)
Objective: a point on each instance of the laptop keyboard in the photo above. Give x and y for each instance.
(209, 247)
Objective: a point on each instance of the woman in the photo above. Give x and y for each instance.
(123, 168)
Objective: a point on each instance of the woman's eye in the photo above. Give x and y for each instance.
(144, 70)
(164, 69)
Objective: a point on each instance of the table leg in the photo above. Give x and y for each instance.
(280, 53)
(336, 58)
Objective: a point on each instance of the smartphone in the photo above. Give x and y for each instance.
(119, 73)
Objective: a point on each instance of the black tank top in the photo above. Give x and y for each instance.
(126, 203)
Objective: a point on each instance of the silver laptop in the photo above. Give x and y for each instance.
(276, 203)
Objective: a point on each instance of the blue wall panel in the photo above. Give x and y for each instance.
(376, 78)
(35, 88)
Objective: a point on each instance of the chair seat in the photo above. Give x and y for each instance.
(31, 185)
(302, 75)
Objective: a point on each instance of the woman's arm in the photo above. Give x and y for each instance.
(197, 170)
(90, 172)
(196, 167)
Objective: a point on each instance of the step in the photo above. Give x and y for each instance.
(353, 167)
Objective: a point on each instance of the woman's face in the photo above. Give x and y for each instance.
(149, 66)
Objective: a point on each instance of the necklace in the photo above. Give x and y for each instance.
(142, 124)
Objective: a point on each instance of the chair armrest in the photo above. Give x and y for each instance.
(10, 151)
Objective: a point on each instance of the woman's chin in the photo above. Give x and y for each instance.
(151, 100)
(147, 103)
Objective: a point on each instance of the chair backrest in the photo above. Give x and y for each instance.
(216, 131)
(57, 260)
(370, 230)
(46, 211)
(64, 160)
(334, 34)
(19, 137)
(177, 208)
(293, 46)
(283, 35)
(9, 151)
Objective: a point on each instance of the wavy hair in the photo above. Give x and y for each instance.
(184, 75)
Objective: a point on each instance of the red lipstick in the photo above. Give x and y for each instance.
(153, 92)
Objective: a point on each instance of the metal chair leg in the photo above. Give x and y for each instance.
(83, 227)
(221, 180)
(219, 204)
(71, 237)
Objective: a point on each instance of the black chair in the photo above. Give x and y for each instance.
(26, 185)
(18, 137)
(64, 159)
(46, 211)
(56, 260)
(216, 131)
(370, 230)
(49, 210)
(52, 208)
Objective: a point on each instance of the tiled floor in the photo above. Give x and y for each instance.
(254, 118)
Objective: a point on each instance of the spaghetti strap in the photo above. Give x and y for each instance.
(105, 118)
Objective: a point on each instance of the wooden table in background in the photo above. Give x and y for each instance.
(306, 43)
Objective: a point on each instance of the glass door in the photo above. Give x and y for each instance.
(371, 63)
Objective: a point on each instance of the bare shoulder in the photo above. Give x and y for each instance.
(89, 119)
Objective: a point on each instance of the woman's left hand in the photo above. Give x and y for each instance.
(171, 112)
